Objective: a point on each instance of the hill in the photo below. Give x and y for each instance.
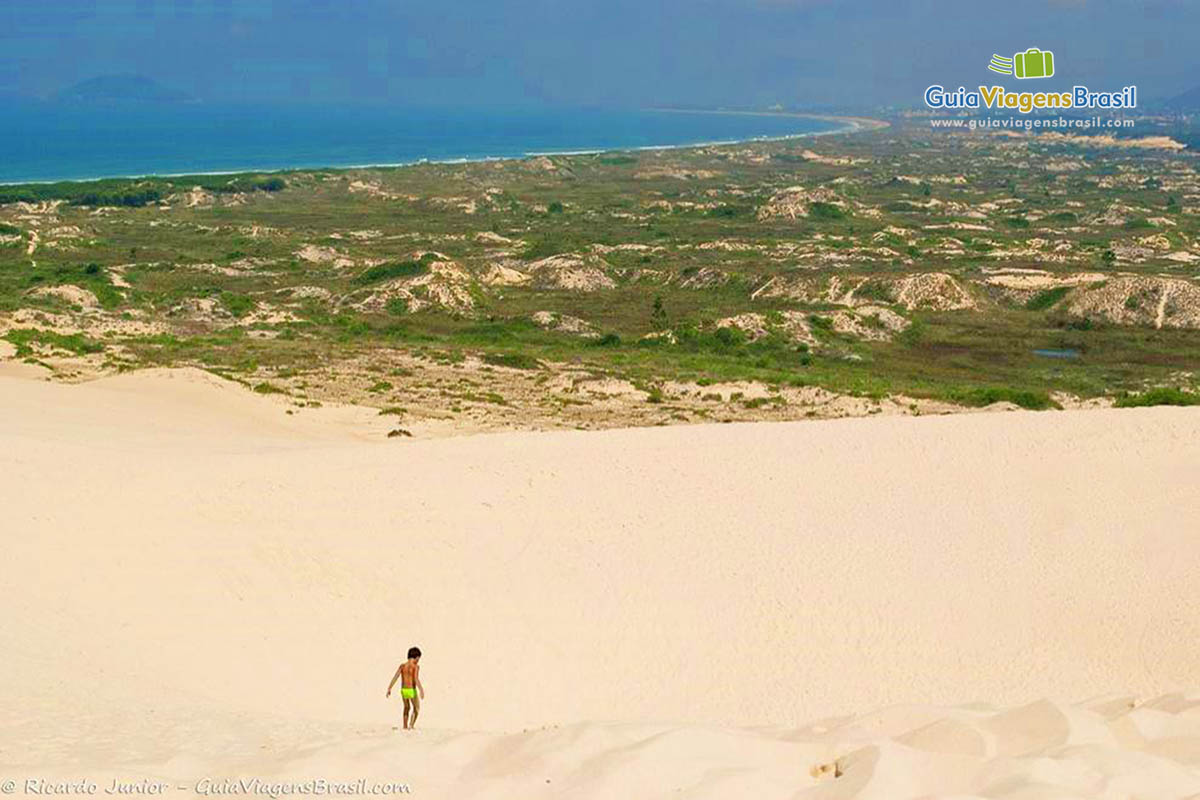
(1188, 101)
(121, 90)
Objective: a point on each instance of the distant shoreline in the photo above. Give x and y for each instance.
(853, 123)
(848, 125)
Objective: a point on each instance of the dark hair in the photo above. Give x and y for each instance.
(414, 652)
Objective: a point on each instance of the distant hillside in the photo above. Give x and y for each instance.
(1188, 101)
(121, 90)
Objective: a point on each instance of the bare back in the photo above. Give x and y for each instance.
(408, 674)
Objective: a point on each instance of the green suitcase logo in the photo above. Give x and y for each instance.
(1033, 63)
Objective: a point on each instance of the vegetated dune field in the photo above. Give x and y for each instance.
(204, 583)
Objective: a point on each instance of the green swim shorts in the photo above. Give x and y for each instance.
(408, 693)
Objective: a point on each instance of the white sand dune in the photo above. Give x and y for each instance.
(198, 585)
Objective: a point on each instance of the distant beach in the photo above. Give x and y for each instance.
(52, 143)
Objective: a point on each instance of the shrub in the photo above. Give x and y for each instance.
(874, 290)
(608, 340)
(820, 323)
(351, 325)
(825, 211)
(1047, 299)
(986, 395)
(75, 343)
(242, 184)
(1163, 396)
(130, 199)
(729, 211)
(237, 304)
(729, 336)
(658, 314)
(512, 360)
(553, 244)
(396, 269)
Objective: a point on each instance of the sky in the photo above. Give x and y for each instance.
(622, 53)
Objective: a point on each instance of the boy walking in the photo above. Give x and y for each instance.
(409, 675)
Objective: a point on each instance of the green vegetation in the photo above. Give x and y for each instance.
(239, 305)
(1162, 396)
(1047, 299)
(26, 339)
(135, 192)
(511, 360)
(986, 395)
(396, 269)
(826, 211)
(285, 285)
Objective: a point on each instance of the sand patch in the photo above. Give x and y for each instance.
(445, 285)
(565, 323)
(1141, 300)
(933, 290)
(280, 526)
(577, 273)
(74, 295)
(501, 275)
(795, 202)
(318, 254)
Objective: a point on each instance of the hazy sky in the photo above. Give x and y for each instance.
(584, 52)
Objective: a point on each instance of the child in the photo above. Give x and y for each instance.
(410, 686)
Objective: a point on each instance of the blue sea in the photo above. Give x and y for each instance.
(47, 143)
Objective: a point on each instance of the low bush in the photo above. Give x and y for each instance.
(77, 343)
(987, 395)
(512, 360)
(825, 211)
(395, 269)
(1163, 396)
(1047, 299)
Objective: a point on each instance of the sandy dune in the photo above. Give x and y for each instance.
(197, 584)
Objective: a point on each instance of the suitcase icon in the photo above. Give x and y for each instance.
(1034, 63)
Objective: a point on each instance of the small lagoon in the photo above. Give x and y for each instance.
(1066, 353)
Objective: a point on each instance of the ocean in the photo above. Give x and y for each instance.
(49, 143)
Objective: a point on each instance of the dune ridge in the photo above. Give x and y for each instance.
(198, 583)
